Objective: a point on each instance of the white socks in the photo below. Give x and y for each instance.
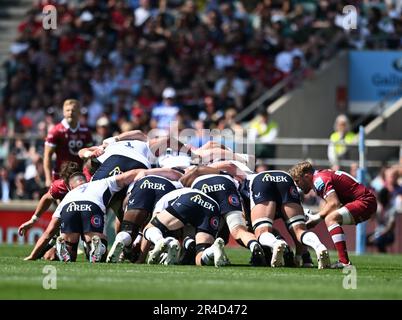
(207, 256)
(310, 239)
(124, 237)
(267, 239)
(153, 234)
(102, 248)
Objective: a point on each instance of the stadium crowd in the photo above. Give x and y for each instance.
(137, 64)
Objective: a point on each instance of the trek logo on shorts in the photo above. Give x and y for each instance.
(206, 188)
(269, 178)
(96, 221)
(115, 171)
(152, 185)
(234, 200)
(78, 207)
(214, 223)
(205, 204)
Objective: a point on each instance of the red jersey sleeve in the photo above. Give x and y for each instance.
(323, 184)
(52, 137)
(58, 189)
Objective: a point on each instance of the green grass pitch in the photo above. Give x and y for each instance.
(378, 277)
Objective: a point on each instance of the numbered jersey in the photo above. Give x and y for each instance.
(98, 192)
(67, 142)
(133, 149)
(347, 188)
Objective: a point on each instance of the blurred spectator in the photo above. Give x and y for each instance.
(20, 192)
(166, 112)
(102, 130)
(230, 88)
(216, 54)
(383, 235)
(340, 139)
(266, 130)
(7, 186)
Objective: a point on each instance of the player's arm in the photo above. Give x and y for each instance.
(167, 173)
(209, 155)
(230, 168)
(91, 152)
(132, 135)
(129, 135)
(332, 203)
(44, 204)
(192, 174)
(212, 145)
(159, 145)
(47, 163)
(126, 178)
(44, 239)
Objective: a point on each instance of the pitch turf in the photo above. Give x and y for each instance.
(378, 277)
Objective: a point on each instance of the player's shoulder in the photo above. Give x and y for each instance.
(320, 178)
(58, 189)
(57, 128)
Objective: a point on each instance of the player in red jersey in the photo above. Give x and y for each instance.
(65, 139)
(347, 202)
(58, 189)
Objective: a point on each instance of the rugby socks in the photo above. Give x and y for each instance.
(137, 240)
(339, 239)
(267, 239)
(251, 244)
(102, 249)
(153, 234)
(310, 239)
(207, 257)
(187, 242)
(124, 237)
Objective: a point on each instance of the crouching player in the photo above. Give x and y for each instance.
(143, 194)
(224, 190)
(82, 212)
(273, 192)
(346, 202)
(176, 209)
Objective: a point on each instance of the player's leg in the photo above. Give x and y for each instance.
(97, 243)
(71, 229)
(66, 246)
(239, 232)
(209, 251)
(156, 232)
(42, 245)
(262, 218)
(350, 214)
(295, 221)
(93, 223)
(130, 227)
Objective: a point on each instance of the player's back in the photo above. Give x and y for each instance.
(99, 192)
(134, 149)
(346, 186)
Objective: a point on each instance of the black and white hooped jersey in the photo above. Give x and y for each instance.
(134, 149)
(99, 192)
